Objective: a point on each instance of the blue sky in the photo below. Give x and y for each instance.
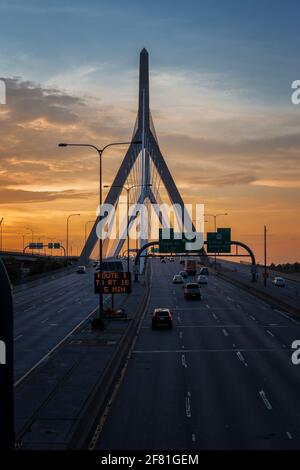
(250, 44)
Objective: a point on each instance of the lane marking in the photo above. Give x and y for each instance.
(44, 321)
(180, 334)
(241, 358)
(252, 317)
(225, 332)
(61, 310)
(215, 316)
(18, 337)
(23, 377)
(289, 435)
(194, 437)
(29, 308)
(207, 306)
(188, 406)
(265, 400)
(176, 351)
(270, 333)
(183, 361)
(286, 316)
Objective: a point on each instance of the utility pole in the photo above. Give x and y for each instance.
(265, 256)
(1, 222)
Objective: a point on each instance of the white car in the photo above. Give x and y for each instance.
(202, 279)
(278, 281)
(177, 279)
(81, 270)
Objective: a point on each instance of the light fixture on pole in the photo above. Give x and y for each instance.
(99, 323)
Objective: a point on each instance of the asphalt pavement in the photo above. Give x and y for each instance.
(290, 293)
(221, 379)
(46, 313)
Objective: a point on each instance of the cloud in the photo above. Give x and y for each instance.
(13, 196)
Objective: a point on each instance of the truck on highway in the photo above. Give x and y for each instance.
(190, 266)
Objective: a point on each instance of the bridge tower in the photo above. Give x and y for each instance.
(144, 163)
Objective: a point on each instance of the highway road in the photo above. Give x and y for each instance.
(221, 379)
(290, 293)
(46, 313)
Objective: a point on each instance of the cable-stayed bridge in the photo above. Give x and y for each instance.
(143, 168)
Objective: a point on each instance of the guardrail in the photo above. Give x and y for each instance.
(262, 295)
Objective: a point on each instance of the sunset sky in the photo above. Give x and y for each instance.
(220, 84)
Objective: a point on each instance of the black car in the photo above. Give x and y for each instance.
(162, 318)
(192, 291)
(183, 274)
(204, 271)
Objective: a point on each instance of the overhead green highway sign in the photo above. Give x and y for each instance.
(172, 242)
(220, 241)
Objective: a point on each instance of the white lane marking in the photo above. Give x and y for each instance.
(44, 321)
(29, 308)
(215, 316)
(270, 333)
(180, 334)
(252, 317)
(188, 406)
(48, 300)
(234, 345)
(229, 298)
(61, 309)
(197, 351)
(183, 361)
(53, 324)
(207, 306)
(265, 400)
(194, 437)
(289, 435)
(241, 358)
(286, 316)
(18, 337)
(225, 332)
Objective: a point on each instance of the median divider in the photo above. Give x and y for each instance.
(103, 389)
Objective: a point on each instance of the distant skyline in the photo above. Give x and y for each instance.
(220, 94)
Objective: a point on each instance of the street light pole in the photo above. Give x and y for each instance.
(100, 323)
(1, 221)
(30, 229)
(85, 226)
(69, 216)
(265, 256)
(128, 189)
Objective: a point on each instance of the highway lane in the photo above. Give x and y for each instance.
(46, 313)
(290, 293)
(221, 379)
